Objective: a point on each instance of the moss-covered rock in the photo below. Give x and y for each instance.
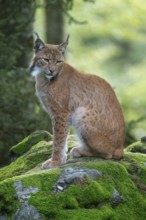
(138, 146)
(31, 140)
(85, 188)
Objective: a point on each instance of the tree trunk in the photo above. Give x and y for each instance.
(16, 43)
(16, 29)
(54, 21)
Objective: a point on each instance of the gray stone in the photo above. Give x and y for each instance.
(24, 193)
(116, 198)
(60, 188)
(72, 175)
(2, 217)
(26, 211)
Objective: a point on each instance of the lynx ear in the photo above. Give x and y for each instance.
(63, 46)
(39, 44)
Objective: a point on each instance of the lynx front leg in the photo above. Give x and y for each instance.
(60, 132)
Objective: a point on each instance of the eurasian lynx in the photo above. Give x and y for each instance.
(83, 100)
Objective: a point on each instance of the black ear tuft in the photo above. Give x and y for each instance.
(63, 46)
(39, 44)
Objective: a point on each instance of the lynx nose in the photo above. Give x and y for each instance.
(51, 71)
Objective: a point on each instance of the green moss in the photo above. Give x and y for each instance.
(135, 164)
(76, 199)
(104, 213)
(136, 157)
(36, 155)
(26, 144)
(90, 199)
(8, 198)
(137, 147)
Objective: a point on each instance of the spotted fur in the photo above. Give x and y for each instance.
(85, 101)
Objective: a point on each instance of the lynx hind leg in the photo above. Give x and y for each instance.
(94, 143)
(78, 124)
(80, 152)
(100, 144)
(118, 153)
(103, 146)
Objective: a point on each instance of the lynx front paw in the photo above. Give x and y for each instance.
(48, 164)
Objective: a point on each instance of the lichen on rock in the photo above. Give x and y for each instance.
(25, 211)
(83, 188)
(74, 175)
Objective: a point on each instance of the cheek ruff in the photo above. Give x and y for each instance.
(36, 71)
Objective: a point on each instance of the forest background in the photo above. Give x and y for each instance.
(107, 38)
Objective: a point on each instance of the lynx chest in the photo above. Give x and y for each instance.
(43, 98)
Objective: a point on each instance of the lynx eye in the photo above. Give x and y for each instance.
(46, 60)
(59, 61)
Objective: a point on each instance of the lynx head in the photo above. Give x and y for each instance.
(48, 59)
